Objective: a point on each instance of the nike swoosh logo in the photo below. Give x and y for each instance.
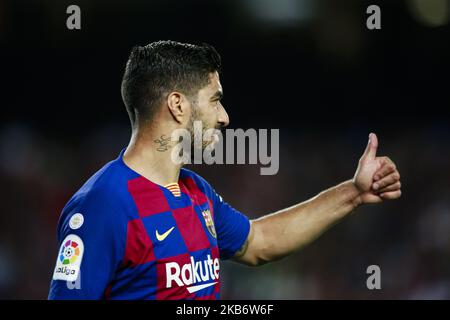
(161, 237)
(200, 287)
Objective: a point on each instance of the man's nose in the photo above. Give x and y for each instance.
(223, 119)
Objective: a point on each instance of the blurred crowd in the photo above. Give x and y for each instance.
(310, 68)
(408, 239)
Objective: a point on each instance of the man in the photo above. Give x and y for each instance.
(143, 227)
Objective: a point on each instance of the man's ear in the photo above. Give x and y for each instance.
(177, 104)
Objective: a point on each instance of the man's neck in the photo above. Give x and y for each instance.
(150, 156)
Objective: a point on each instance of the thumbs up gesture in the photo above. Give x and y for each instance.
(377, 178)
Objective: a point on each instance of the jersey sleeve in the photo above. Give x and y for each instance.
(91, 239)
(232, 226)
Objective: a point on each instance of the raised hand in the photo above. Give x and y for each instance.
(377, 178)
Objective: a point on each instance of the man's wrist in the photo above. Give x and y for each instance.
(356, 193)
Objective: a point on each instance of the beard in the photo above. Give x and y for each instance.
(197, 130)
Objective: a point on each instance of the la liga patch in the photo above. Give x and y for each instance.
(76, 221)
(69, 259)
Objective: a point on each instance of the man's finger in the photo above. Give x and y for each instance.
(386, 181)
(387, 168)
(391, 195)
(391, 187)
(371, 149)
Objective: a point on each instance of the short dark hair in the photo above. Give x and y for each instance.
(154, 70)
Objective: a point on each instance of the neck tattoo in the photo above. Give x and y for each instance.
(163, 143)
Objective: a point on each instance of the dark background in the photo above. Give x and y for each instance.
(309, 68)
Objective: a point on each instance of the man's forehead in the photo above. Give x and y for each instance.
(214, 82)
(213, 87)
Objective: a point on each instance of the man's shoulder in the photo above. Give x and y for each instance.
(106, 188)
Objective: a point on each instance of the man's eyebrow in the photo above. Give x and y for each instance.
(217, 95)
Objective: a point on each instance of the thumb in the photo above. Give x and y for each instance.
(371, 149)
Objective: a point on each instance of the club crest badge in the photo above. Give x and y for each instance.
(209, 222)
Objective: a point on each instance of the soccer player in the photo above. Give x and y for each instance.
(143, 227)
